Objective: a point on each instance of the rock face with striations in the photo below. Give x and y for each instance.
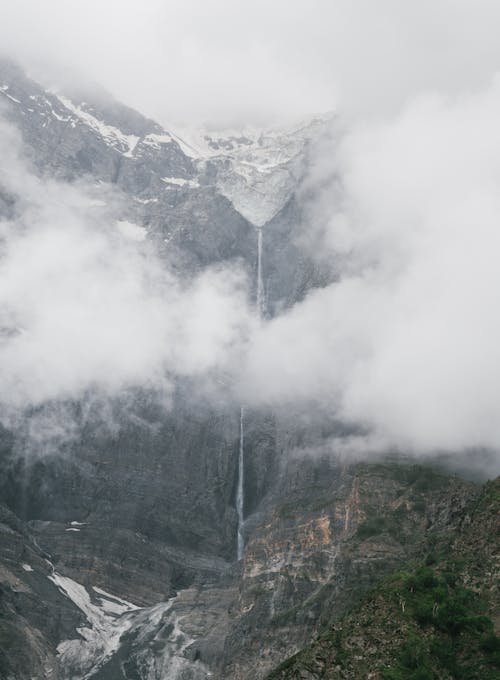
(128, 537)
(438, 617)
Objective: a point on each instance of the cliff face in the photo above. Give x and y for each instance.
(118, 552)
(166, 475)
(437, 617)
(34, 615)
(308, 560)
(320, 550)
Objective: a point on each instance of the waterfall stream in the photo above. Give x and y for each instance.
(260, 285)
(240, 493)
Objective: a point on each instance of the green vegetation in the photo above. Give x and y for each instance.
(490, 496)
(303, 505)
(342, 654)
(431, 620)
(391, 524)
(286, 665)
(413, 663)
(421, 477)
(374, 526)
(454, 637)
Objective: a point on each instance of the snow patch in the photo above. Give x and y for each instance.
(109, 601)
(72, 529)
(58, 117)
(156, 140)
(180, 182)
(111, 135)
(189, 148)
(100, 640)
(165, 657)
(133, 141)
(145, 201)
(160, 655)
(3, 91)
(27, 567)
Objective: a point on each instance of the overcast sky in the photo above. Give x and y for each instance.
(227, 61)
(405, 202)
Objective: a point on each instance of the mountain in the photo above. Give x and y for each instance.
(118, 556)
(197, 205)
(434, 618)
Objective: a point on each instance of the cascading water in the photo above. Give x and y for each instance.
(240, 497)
(239, 493)
(260, 286)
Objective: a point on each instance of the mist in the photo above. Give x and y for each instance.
(401, 199)
(406, 343)
(87, 305)
(221, 62)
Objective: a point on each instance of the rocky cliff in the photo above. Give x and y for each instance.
(436, 617)
(119, 546)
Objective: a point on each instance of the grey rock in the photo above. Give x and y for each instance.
(146, 511)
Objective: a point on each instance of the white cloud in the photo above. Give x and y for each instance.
(407, 342)
(82, 306)
(234, 60)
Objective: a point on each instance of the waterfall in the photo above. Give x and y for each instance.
(239, 493)
(260, 286)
